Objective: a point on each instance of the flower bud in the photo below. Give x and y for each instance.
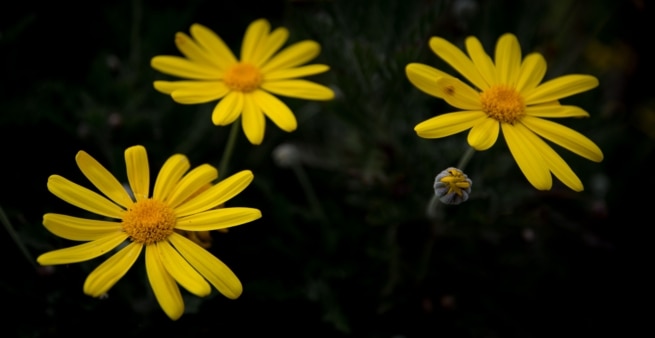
(452, 186)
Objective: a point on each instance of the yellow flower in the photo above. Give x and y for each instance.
(244, 87)
(507, 95)
(149, 221)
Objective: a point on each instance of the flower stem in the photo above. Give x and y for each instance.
(16, 237)
(229, 148)
(465, 158)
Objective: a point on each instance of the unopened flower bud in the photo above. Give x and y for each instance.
(452, 186)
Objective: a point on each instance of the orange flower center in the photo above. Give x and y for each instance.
(503, 103)
(243, 77)
(149, 221)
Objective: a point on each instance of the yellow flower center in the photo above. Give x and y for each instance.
(456, 181)
(149, 221)
(503, 103)
(243, 77)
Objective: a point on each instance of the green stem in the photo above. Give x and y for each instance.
(229, 148)
(14, 235)
(465, 158)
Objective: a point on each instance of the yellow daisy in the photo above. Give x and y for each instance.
(245, 87)
(150, 221)
(507, 95)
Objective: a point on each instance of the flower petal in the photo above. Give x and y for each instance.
(200, 92)
(508, 59)
(169, 176)
(560, 87)
(458, 94)
(253, 121)
(228, 109)
(163, 285)
(83, 198)
(527, 155)
(181, 270)
(458, 60)
(531, 73)
(181, 67)
(558, 166)
(193, 51)
(292, 73)
(275, 109)
(292, 56)
(214, 45)
(79, 229)
(256, 33)
(138, 171)
(210, 267)
(216, 195)
(301, 89)
(83, 252)
(425, 78)
(484, 134)
(448, 124)
(555, 111)
(191, 183)
(168, 87)
(482, 61)
(103, 179)
(107, 274)
(218, 219)
(565, 137)
(273, 42)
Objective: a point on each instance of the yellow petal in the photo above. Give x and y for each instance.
(256, 33)
(228, 109)
(449, 124)
(565, 137)
(201, 92)
(79, 229)
(181, 270)
(458, 60)
(292, 73)
(508, 59)
(138, 171)
(214, 45)
(482, 61)
(193, 51)
(425, 78)
(168, 87)
(275, 109)
(458, 94)
(163, 285)
(557, 165)
(107, 274)
(301, 89)
(527, 156)
(252, 120)
(169, 175)
(484, 134)
(531, 73)
(83, 198)
(218, 219)
(210, 267)
(191, 183)
(271, 44)
(555, 111)
(83, 252)
(181, 67)
(560, 87)
(292, 56)
(216, 195)
(103, 179)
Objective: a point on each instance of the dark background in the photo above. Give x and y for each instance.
(365, 262)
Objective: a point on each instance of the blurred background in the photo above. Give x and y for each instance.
(344, 247)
